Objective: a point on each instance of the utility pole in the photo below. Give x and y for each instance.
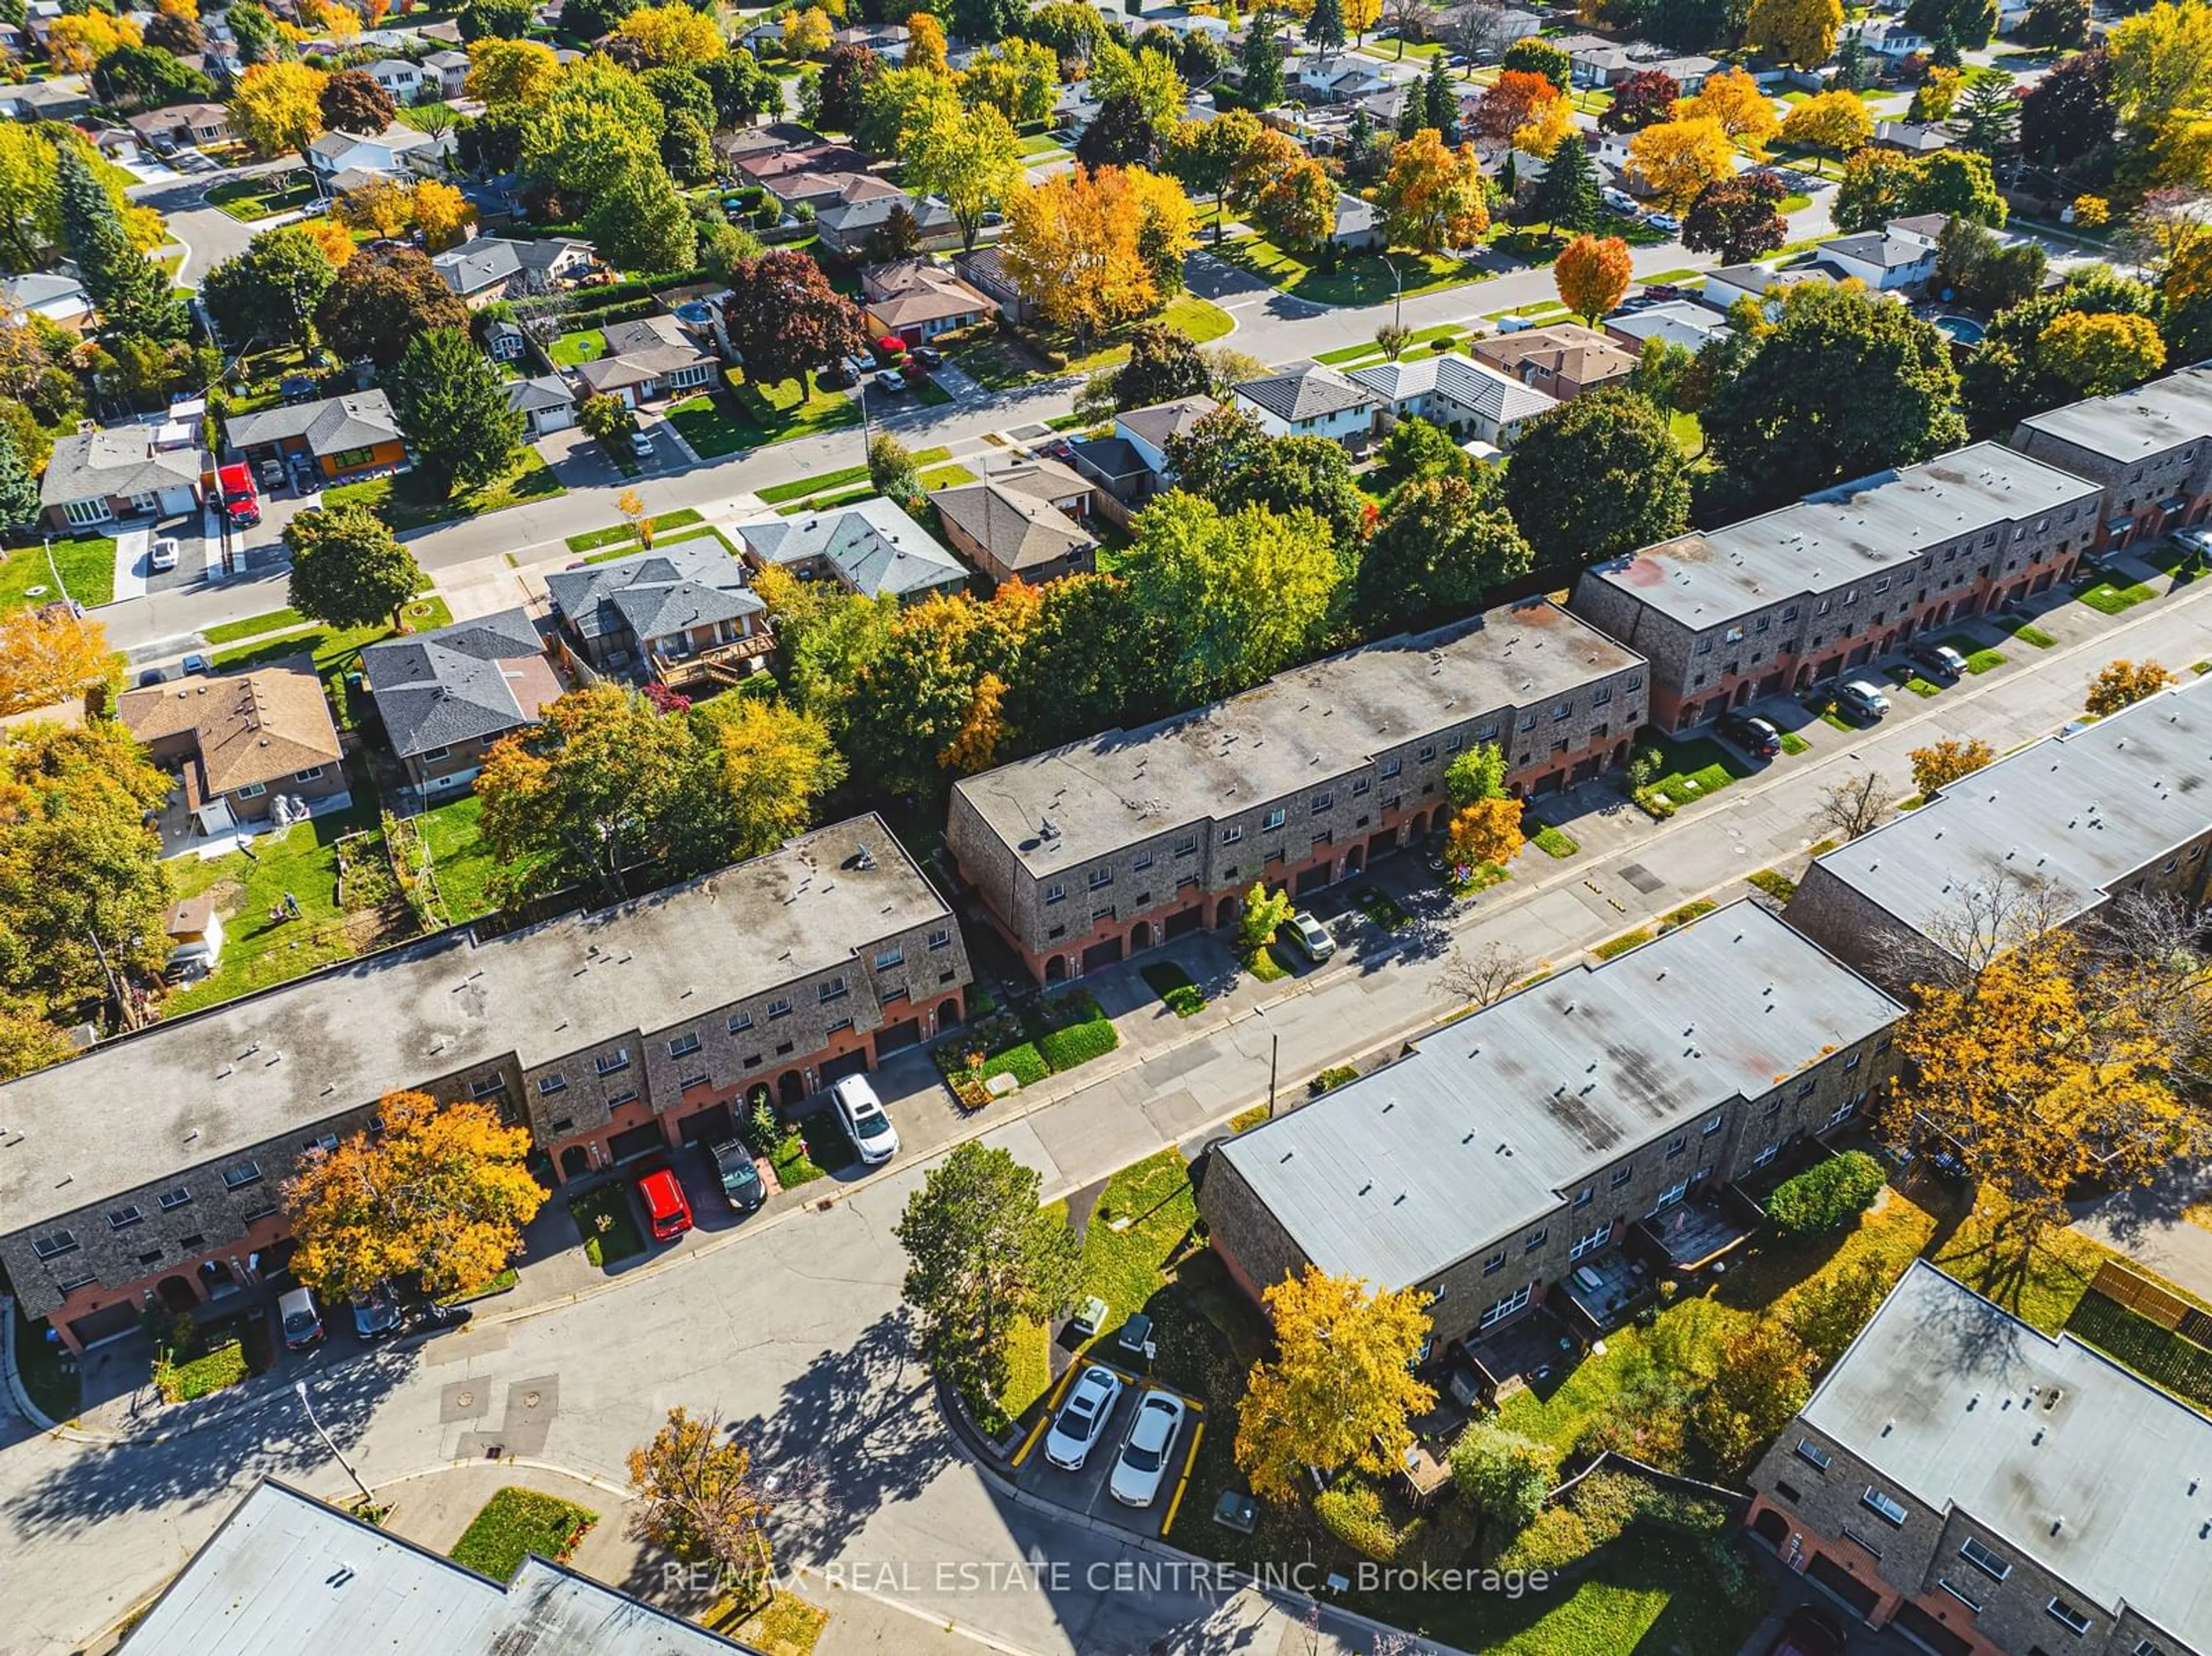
(301, 1386)
(114, 988)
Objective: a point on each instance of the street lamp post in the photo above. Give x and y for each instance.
(1397, 292)
(1274, 1053)
(301, 1386)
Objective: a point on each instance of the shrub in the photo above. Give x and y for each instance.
(1184, 999)
(1024, 1062)
(1354, 1513)
(1556, 1539)
(1336, 1075)
(1078, 1043)
(1828, 1196)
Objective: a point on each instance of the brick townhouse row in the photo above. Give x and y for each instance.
(1528, 1139)
(1110, 845)
(2120, 807)
(1788, 599)
(149, 1170)
(1983, 1488)
(2150, 449)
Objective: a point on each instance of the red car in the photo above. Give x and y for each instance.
(665, 1210)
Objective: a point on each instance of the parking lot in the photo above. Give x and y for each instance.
(1086, 1491)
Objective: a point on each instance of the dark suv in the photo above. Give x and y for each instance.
(740, 1178)
(1754, 736)
(1939, 659)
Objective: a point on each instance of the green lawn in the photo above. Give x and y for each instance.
(1696, 768)
(776, 414)
(710, 431)
(947, 476)
(1355, 282)
(2034, 635)
(462, 863)
(515, 1523)
(1794, 744)
(573, 349)
(335, 649)
(1774, 882)
(276, 621)
(264, 195)
(800, 488)
(591, 540)
(608, 1228)
(2111, 600)
(408, 501)
(87, 564)
(1351, 354)
(1978, 660)
(1553, 842)
(1174, 986)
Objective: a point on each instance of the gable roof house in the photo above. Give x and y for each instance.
(1025, 522)
(452, 70)
(118, 471)
(239, 739)
(446, 696)
(1883, 259)
(61, 300)
(831, 187)
(1311, 401)
(486, 268)
(1914, 137)
(1727, 283)
(394, 152)
(544, 402)
(1467, 397)
(985, 269)
(680, 615)
(345, 436)
(1131, 466)
(653, 356)
(847, 227)
(870, 547)
(400, 77)
(1563, 360)
(182, 126)
(918, 299)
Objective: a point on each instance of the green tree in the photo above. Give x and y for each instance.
(1765, 1376)
(1540, 56)
(502, 20)
(2099, 354)
(130, 291)
(1262, 63)
(1595, 478)
(1843, 386)
(383, 300)
(453, 406)
(1475, 776)
(1325, 26)
(19, 489)
(348, 567)
(2057, 25)
(145, 77)
(1244, 593)
(1738, 219)
(598, 123)
(1503, 1476)
(255, 32)
(982, 1258)
(268, 294)
(1163, 364)
(978, 20)
(639, 220)
(969, 159)
(1987, 111)
(1440, 102)
(1566, 197)
(2069, 113)
(1201, 155)
(1262, 915)
(1441, 544)
(2007, 379)
(1415, 448)
(1972, 23)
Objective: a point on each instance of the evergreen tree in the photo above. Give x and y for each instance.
(1566, 197)
(1263, 64)
(454, 408)
(1325, 26)
(1440, 101)
(19, 489)
(130, 291)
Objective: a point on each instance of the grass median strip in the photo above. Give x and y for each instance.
(517, 1522)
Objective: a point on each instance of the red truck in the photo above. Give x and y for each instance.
(242, 501)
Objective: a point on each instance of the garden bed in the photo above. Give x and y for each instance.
(1039, 1039)
(516, 1523)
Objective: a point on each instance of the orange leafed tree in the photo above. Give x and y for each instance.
(2123, 683)
(1944, 762)
(442, 1194)
(1592, 274)
(1486, 833)
(47, 657)
(1433, 197)
(1677, 159)
(1077, 246)
(1517, 98)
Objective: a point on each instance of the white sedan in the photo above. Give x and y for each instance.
(1143, 1463)
(163, 554)
(1082, 1419)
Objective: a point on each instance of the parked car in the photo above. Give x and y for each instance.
(837, 379)
(864, 1118)
(1142, 1464)
(1753, 735)
(376, 1314)
(1808, 1632)
(740, 1178)
(163, 554)
(303, 1322)
(197, 665)
(1082, 1419)
(1939, 659)
(151, 675)
(889, 381)
(1862, 699)
(665, 1208)
(1666, 222)
(1617, 201)
(1311, 937)
(641, 444)
(928, 356)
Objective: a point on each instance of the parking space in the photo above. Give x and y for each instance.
(1087, 1490)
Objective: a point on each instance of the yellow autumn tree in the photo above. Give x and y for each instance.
(51, 655)
(1548, 125)
(925, 44)
(2101, 353)
(2123, 683)
(1944, 762)
(1591, 274)
(1340, 1391)
(1735, 99)
(1076, 246)
(1799, 32)
(74, 45)
(278, 107)
(378, 207)
(672, 36)
(442, 213)
(806, 33)
(1678, 159)
(1433, 197)
(1484, 834)
(982, 733)
(331, 240)
(441, 1192)
(1361, 16)
(511, 71)
(1837, 122)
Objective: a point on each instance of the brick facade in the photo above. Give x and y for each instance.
(2150, 449)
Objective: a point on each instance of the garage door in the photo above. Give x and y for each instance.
(1184, 921)
(1924, 1631)
(713, 1125)
(896, 1037)
(638, 1140)
(1315, 879)
(110, 1323)
(1840, 1583)
(1102, 954)
(853, 1064)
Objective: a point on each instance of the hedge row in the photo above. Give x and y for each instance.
(1826, 1197)
(1078, 1043)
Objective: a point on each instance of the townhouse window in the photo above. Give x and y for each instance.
(1733, 635)
(1361, 787)
(485, 1086)
(1765, 1155)
(1275, 819)
(2144, 1648)
(833, 990)
(1583, 1196)
(2067, 1616)
(192, 1243)
(1142, 861)
(1964, 1597)
(171, 1200)
(1677, 1144)
(153, 1257)
(1772, 1108)
(1564, 711)
(689, 1081)
(1105, 914)
(1055, 892)
(744, 1021)
(778, 1008)
(1674, 1193)
(1854, 1060)
(683, 1046)
(1392, 766)
(1596, 1238)
(1704, 646)
(1788, 1492)
(74, 1278)
(262, 1211)
(1712, 1126)
(1842, 1110)
(1505, 1307)
(614, 1063)
(1228, 873)
(1322, 801)
(323, 1142)
(1887, 1506)
(313, 773)
(1823, 607)
(1486, 731)
(1788, 615)
(1620, 1176)
(887, 958)
(1850, 599)
(1804, 1089)
(54, 1244)
(1813, 1454)
(1496, 1262)
(1428, 752)
(1535, 1240)
(754, 1061)
(1394, 802)
(626, 1096)
(123, 1217)
(1600, 696)
(1231, 836)
(1187, 845)
(1454, 744)
(1762, 623)
(1982, 1559)
(1528, 722)
(1882, 585)
(1099, 876)
(239, 1174)
(841, 1026)
(940, 939)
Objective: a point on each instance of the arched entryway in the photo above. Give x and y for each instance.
(1055, 969)
(1355, 860)
(1141, 936)
(575, 1162)
(791, 1087)
(1771, 1527)
(1224, 913)
(948, 1014)
(176, 1292)
(1743, 693)
(1805, 677)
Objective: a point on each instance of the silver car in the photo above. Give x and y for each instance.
(1142, 1466)
(1311, 936)
(1081, 1423)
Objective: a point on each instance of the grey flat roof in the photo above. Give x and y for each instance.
(2139, 423)
(1491, 1122)
(197, 1090)
(1840, 535)
(2078, 813)
(1961, 1404)
(1318, 721)
(286, 1575)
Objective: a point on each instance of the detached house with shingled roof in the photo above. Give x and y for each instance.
(447, 696)
(240, 739)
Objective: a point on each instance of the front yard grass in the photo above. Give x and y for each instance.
(776, 414)
(1174, 986)
(2028, 633)
(1380, 907)
(616, 534)
(608, 1228)
(1793, 744)
(86, 563)
(409, 501)
(947, 476)
(262, 196)
(1774, 882)
(517, 1522)
(197, 1360)
(710, 429)
(1979, 660)
(1553, 842)
(1355, 282)
(276, 621)
(2108, 598)
(1696, 768)
(785, 1626)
